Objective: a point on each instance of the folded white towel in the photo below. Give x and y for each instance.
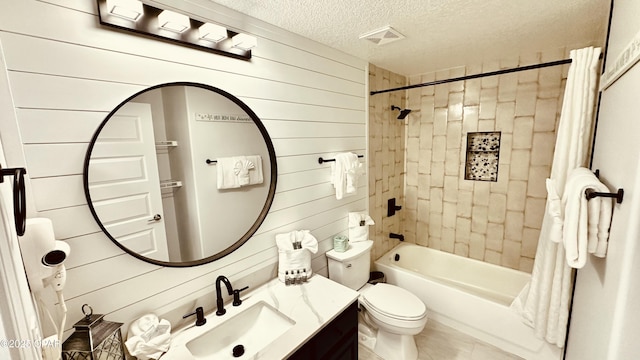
(236, 171)
(295, 260)
(226, 176)
(359, 226)
(345, 173)
(302, 237)
(283, 241)
(307, 241)
(586, 222)
(148, 337)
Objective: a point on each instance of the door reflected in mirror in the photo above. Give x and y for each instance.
(180, 174)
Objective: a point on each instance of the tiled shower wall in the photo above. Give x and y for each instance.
(386, 157)
(497, 222)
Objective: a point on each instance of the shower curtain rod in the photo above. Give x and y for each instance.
(468, 77)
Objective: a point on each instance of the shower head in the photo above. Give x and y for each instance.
(403, 112)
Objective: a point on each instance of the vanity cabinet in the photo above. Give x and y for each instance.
(338, 340)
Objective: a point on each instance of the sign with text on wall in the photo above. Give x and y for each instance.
(625, 61)
(228, 118)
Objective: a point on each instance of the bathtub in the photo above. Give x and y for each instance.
(468, 295)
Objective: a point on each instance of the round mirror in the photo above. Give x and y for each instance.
(180, 174)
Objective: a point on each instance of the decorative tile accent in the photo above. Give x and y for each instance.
(483, 149)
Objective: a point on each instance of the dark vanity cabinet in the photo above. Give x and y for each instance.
(338, 340)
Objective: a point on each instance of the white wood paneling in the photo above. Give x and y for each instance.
(65, 77)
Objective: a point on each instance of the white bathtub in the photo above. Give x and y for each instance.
(468, 295)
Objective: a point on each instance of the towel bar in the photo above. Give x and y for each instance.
(321, 160)
(590, 193)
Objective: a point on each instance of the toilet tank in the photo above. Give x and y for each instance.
(351, 268)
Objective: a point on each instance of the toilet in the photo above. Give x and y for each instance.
(397, 313)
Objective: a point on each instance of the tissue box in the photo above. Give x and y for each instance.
(293, 261)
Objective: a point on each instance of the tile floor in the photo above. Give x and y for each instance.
(440, 342)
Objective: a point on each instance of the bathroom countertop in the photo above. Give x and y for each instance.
(312, 305)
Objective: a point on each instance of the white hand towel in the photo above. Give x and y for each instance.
(236, 171)
(359, 226)
(255, 174)
(226, 175)
(283, 241)
(241, 168)
(148, 337)
(307, 240)
(584, 231)
(345, 173)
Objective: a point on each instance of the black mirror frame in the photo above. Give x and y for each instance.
(252, 229)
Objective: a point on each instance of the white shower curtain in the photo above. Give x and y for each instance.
(544, 302)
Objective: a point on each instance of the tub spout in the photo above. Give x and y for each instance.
(396, 236)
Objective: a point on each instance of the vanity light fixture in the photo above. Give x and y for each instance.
(170, 26)
(172, 21)
(244, 41)
(127, 9)
(212, 32)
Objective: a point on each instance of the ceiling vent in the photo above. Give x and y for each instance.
(382, 36)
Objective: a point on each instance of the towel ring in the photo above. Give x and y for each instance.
(19, 197)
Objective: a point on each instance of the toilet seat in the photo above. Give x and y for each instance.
(394, 302)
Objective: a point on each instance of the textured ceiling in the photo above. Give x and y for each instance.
(439, 34)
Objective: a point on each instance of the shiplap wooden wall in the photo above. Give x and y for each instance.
(66, 73)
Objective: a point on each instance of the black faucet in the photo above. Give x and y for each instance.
(219, 302)
(199, 313)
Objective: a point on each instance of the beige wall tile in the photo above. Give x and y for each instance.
(523, 133)
(464, 203)
(449, 218)
(497, 208)
(513, 226)
(440, 121)
(451, 188)
(511, 254)
(479, 221)
(546, 112)
(542, 150)
(526, 97)
(537, 181)
(495, 236)
(437, 174)
(520, 164)
(505, 116)
(507, 86)
(463, 229)
(516, 195)
(470, 119)
(455, 105)
(534, 212)
(529, 242)
(488, 103)
(448, 240)
(477, 246)
(439, 148)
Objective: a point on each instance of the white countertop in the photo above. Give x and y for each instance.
(312, 305)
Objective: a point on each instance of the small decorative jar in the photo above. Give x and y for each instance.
(340, 243)
(94, 338)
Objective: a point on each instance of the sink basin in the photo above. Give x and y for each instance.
(243, 335)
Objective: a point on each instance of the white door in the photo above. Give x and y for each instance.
(124, 183)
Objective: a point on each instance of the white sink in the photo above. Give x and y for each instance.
(248, 332)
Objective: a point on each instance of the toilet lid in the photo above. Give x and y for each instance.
(395, 302)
